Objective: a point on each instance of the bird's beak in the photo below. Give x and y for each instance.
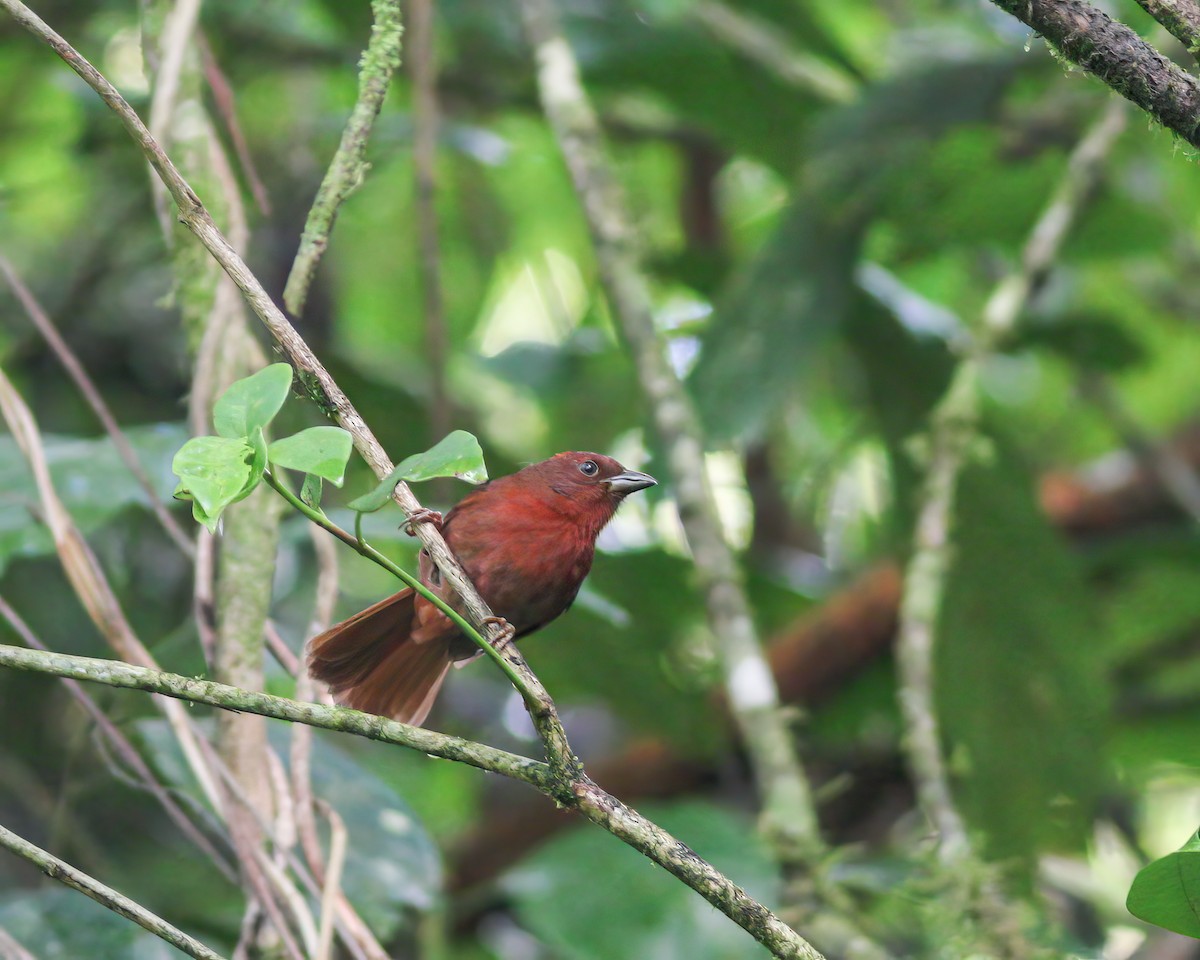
(629, 482)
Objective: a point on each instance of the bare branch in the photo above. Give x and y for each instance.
(106, 896)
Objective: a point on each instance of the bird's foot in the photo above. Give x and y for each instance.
(423, 515)
(508, 633)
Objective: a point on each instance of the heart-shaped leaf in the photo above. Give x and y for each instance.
(320, 451)
(213, 472)
(252, 402)
(1167, 891)
(458, 454)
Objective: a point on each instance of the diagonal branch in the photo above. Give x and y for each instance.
(106, 896)
(1181, 18)
(1109, 50)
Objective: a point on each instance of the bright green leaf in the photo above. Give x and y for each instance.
(322, 451)
(252, 402)
(457, 455)
(214, 470)
(1167, 891)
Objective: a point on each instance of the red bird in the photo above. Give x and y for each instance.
(525, 540)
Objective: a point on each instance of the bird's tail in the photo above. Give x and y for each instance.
(371, 662)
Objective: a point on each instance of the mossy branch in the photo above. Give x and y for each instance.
(1112, 52)
(578, 793)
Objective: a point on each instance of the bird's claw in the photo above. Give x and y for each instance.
(508, 633)
(423, 515)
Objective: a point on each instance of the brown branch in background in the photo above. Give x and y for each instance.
(423, 57)
(379, 61)
(66, 874)
(1181, 18)
(223, 99)
(788, 814)
(79, 375)
(1176, 476)
(1117, 56)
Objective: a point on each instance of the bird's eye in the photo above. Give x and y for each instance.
(588, 468)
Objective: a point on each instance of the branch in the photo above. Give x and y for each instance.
(953, 430)
(348, 168)
(789, 817)
(1120, 58)
(63, 872)
(581, 793)
(1181, 18)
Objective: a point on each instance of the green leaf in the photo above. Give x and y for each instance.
(258, 463)
(321, 451)
(252, 402)
(1167, 891)
(214, 471)
(458, 454)
(659, 916)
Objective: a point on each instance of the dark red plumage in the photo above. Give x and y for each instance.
(525, 540)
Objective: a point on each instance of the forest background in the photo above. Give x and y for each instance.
(905, 289)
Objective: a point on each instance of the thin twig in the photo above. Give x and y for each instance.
(70, 362)
(222, 94)
(953, 428)
(333, 879)
(346, 172)
(789, 815)
(66, 874)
